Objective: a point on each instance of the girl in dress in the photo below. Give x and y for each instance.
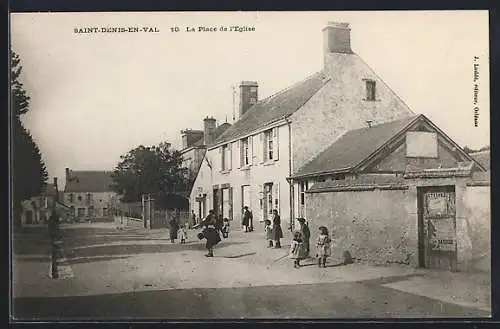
(182, 234)
(269, 232)
(323, 246)
(297, 250)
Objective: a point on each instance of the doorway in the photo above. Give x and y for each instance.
(437, 238)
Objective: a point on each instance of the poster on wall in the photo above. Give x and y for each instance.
(440, 225)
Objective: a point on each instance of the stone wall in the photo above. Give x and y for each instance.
(375, 226)
(475, 234)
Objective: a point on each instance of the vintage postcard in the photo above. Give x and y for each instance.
(250, 165)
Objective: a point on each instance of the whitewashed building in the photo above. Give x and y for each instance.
(252, 163)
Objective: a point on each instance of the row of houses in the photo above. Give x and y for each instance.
(86, 195)
(341, 149)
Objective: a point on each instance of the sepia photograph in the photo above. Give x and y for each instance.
(187, 166)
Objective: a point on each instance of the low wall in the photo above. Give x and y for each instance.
(474, 231)
(375, 226)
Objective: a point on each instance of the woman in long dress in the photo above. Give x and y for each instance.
(277, 232)
(306, 234)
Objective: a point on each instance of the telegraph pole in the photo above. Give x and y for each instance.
(234, 103)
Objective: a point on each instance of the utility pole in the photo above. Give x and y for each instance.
(234, 103)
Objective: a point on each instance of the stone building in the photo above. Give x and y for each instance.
(89, 193)
(250, 162)
(38, 209)
(194, 147)
(400, 192)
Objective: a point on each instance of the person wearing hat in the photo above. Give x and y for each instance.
(245, 221)
(306, 234)
(277, 232)
(210, 233)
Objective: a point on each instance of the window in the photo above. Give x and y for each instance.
(225, 157)
(79, 198)
(245, 153)
(370, 90)
(268, 145)
(71, 197)
(104, 212)
(253, 89)
(303, 189)
(89, 196)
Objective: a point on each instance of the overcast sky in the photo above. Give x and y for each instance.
(94, 96)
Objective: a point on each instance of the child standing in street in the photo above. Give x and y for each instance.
(297, 250)
(269, 232)
(323, 246)
(182, 234)
(225, 228)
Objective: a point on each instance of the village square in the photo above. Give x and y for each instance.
(330, 198)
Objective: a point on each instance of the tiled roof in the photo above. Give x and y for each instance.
(353, 147)
(483, 157)
(88, 181)
(273, 108)
(363, 182)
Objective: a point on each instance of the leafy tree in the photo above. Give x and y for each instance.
(19, 98)
(155, 170)
(29, 171)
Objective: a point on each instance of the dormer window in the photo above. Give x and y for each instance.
(370, 89)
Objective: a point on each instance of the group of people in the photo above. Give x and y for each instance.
(213, 226)
(300, 246)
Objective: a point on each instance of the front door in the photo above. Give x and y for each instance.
(216, 202)
(268, 201)
(437, 228)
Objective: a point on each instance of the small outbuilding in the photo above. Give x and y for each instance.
(401, 192)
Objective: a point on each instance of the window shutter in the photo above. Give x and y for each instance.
(260, 195)
(262, 150)
(221, 157)
(230, 154)
(276, 145)
(250, 149)
(239, 148)
(230, 212)
(221, 200)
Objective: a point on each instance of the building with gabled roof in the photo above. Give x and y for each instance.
(194, 147)
(88, 193)
(248, 164)
(402, 192)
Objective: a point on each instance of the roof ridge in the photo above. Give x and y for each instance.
(282, 91)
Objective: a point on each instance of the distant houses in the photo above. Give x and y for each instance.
(38, 209)
(89, 193)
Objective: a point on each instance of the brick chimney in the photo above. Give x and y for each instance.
(337, 38)
(209, 125)
(248, 95)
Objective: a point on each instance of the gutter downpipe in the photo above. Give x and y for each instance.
(290, 181)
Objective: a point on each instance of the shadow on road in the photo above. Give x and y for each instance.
(344, 300)
(133, 249)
